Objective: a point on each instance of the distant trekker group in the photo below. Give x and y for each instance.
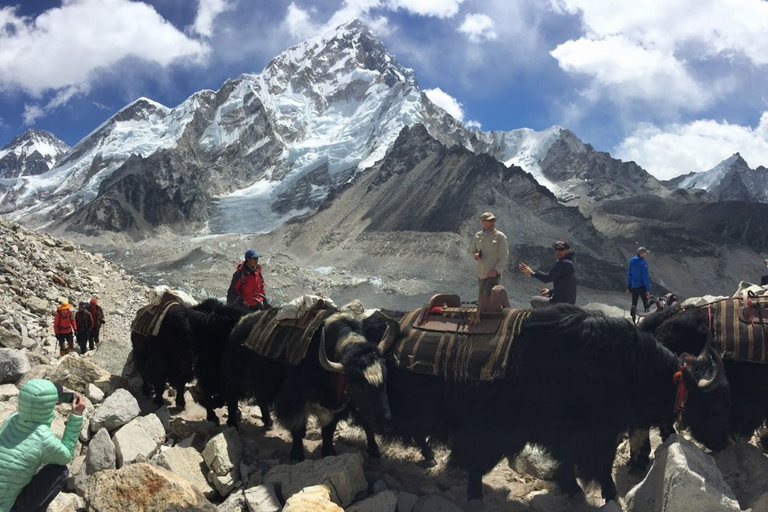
(85, 324)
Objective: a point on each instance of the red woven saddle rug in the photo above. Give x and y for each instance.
(286, 340)
(149, 319)
(740, 328)
(457, 344)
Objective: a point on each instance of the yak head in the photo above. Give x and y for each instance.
(708, 401)
(362, 366)
(686, 331)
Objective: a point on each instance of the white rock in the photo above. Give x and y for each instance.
(8, 391)
(344, 473)
(223, 452)
(94, 394)
(118, 409)
(186, 462)
(262, 498)
(682, 479)
(382, 502)
(133, 443)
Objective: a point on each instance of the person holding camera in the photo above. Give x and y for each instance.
(26, 442)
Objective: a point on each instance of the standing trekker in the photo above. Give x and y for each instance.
(247, 286)
(84, 321)
(638, 281)
(64, 326)
(562, 276)
(97, 314)
(764, 279)
(26, 442)
(490, 250)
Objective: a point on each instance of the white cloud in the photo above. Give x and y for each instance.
(446, 102)
(34, 112)
(299, 24)
(473, 125)
(670, 40)
(437, 8)
(626, 71)
(207, 11)
(478, 28)
(63, 47)
(697, 146)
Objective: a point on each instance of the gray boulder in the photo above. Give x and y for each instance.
(682, 479)
(13, 365)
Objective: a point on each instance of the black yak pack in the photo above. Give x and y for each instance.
(482, 383)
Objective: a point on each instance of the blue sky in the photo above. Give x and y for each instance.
(675, 86)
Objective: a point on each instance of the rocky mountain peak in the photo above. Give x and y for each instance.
(33, 152)
(730, 180)
(141, 109)
(331, 62)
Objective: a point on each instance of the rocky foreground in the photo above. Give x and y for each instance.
(132, 456)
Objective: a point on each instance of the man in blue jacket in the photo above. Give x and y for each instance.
(638, 280)
(26, 442)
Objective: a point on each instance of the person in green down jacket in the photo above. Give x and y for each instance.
(26, 442)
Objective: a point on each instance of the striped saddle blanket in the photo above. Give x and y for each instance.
(740, 328)
(149, 319)
(286, 340)
(458, 355)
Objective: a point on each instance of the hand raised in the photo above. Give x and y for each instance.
(78, 404)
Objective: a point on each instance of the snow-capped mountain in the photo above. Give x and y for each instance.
(730, 180)
(270, 146)
(33, 152)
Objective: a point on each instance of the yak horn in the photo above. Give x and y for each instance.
(390, 334)
(707, 385)
(327, 364)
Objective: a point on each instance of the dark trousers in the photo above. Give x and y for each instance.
(41, 491)
(65, 341)
(539, 301)
(82, 340)
(638, 292)
(93, 337)
(484, 287)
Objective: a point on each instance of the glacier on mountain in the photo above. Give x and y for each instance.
(318, 113)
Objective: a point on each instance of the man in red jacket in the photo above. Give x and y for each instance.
(247, 286)
(64, 327)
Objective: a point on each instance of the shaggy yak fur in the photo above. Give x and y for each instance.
(574, 382)
(687, 330)
(189, 345)
(309, 388)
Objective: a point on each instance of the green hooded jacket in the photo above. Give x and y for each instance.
(27, 442)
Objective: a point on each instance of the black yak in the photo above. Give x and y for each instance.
(354, 376)
(687, 330)
(574, 381)
(188, 345)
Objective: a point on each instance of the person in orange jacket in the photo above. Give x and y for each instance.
(64, 327)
